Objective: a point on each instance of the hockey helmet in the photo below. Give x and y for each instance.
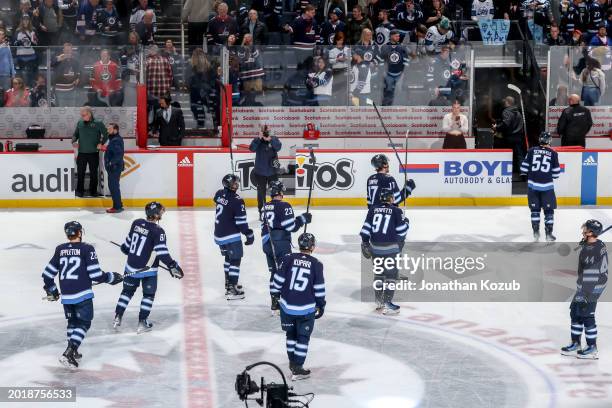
(72, 228)
(231, 181)
(306, 241)
(386, 195)
(276, 188)
(594, 226)
(545, 138)
(154, 210)
(379, 161)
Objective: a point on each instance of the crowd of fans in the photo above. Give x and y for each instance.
(336, 52)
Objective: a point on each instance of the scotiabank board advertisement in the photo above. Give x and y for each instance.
(465, 173)
(341, 121)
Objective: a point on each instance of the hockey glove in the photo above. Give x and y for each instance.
(52, 295)
(306, 217)
(250, 237)
(176, 271)
(319, 312)
(115, 278)
(409, 186)
(366, 250)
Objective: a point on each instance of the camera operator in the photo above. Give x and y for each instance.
(267, 166)
(455, 124)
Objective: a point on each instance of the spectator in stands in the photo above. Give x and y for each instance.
(330, 5)
(266, 148)
(109, 24)
(196, 13)
(576, 39)
(597, 14)
(70, 11)
(367, 47)
(89, 136)
(25, 9)
(271, 12)
(408, 16)
(146, 28)
(251, 71)
(420, 43)
(113, 163)
(66, 77)
(304, 33)
(200, 83)
(601, 38)
(51, 21)
(176, 61)
(106, 80)
(553, 36)
(159, 76)
(455, 125)
(321, 80)
(25, 41)
(481, 9)
(593, 82)
(7, 67)
(38, 94)
(609, 22)
(561, 98)
(574, 123)
(385, 27)
(169, 124)
(339, 60)
(439, 99)
(360, 79)
(395, 57)
(356, 25)
(138, 13)
(256, 28)
(86, 25)
(434, 12)
(331, 27)
(438, 35)
(512, 130)
(18, 96)
(130, 68)
(221, 26)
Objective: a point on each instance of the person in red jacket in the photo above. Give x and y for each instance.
(18, 96)
(106, 79)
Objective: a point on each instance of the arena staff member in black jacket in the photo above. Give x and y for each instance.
(266, 148)
(574, 123)
(113, 163)
(511, 128)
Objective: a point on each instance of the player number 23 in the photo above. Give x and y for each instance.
(299, 279)
(541, 163)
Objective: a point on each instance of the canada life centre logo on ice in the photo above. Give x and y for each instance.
(465, 171)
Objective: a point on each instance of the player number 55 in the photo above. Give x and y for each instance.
(541, 163)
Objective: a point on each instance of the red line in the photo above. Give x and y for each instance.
(199, 387)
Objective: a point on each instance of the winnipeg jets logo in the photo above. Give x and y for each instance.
(394, 57)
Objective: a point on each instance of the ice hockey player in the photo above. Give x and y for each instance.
(278, 222)
(299, 286)
(77, 265)
(383, 234)
(230, 222)
(145, 241)
(592, 280)
(382, 179)
(541, 165)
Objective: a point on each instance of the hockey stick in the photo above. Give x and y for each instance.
(146, 268)
(371, 102)
(518, 91)
(313, 159)
(602, 232)
(265, 216)
(405, 163)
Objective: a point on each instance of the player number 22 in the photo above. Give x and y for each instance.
(541, 163)
(74, 262)
(299, 279)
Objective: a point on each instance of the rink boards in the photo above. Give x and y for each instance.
(190, 177)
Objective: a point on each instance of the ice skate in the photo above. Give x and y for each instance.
(233, 293)
(144, 326)
(117, 322)
(69, 359)
(589, 352)
(570, 350)
(390, 308)
(298, 372)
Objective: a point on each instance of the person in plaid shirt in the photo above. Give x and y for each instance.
(159, 75)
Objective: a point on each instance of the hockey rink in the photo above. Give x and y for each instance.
(501, 355)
